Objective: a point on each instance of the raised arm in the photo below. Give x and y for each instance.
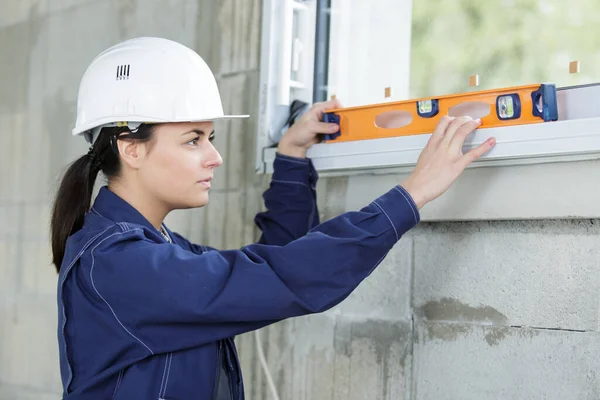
(168, 298)
(291, 201)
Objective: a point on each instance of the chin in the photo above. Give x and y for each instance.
(200, 201)
(195, 202)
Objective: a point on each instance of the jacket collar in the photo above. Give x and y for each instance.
(111, 206)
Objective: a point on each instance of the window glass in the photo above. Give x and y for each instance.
(384, 50)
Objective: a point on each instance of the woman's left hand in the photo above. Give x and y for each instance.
(305, 132)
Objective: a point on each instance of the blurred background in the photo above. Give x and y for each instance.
(481, 309)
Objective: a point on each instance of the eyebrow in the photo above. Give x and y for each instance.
(197, 131)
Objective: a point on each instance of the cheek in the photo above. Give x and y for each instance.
(176, 167)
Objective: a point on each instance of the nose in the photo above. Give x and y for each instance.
(213, 159)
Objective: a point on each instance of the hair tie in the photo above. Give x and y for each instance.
(96, 161)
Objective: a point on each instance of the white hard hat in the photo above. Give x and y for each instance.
(146, 80)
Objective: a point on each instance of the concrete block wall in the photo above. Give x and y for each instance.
(47, 45)
(482, 310)
(477, 310)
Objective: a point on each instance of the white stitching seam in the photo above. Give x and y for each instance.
(123, 225)
(169, 358)
(111, 309)
(409, 203)
(98, 213)
(389, 219)
(62, 281)
(162, 382)
(118, 383)
(378, 262)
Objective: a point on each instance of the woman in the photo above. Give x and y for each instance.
(144, 313)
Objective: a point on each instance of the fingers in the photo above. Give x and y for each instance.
(322, 127)
(441, 127)
(462, 132)
(455, 125)
(320, 108)
(325, 105)
(477, 152)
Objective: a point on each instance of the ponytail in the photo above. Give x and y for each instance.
(74, 197)
(73, 201)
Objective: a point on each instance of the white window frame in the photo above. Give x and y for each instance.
(573, 140)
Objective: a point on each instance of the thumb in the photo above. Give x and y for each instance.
(320, 108)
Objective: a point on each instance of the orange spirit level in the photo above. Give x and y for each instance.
(496, 107)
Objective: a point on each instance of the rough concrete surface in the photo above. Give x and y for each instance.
(510, 192)
(464, 361)
(386, 293)
(540, 274)
(333, 357)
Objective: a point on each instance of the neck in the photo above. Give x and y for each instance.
(153, 210)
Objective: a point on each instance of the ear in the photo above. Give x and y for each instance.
(132, 152)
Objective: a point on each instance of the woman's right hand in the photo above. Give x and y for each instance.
(441, 162)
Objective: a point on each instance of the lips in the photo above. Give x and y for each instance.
(205, 182)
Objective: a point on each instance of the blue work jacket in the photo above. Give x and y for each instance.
(142, 318)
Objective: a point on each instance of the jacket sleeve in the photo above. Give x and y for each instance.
(291, 201)
(170, 298)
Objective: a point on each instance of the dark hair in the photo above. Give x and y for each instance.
(74, 197)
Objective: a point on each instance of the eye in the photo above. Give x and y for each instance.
(211, 137)
(194, 142)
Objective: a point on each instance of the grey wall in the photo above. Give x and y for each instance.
(486, 310)
(457, 311)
